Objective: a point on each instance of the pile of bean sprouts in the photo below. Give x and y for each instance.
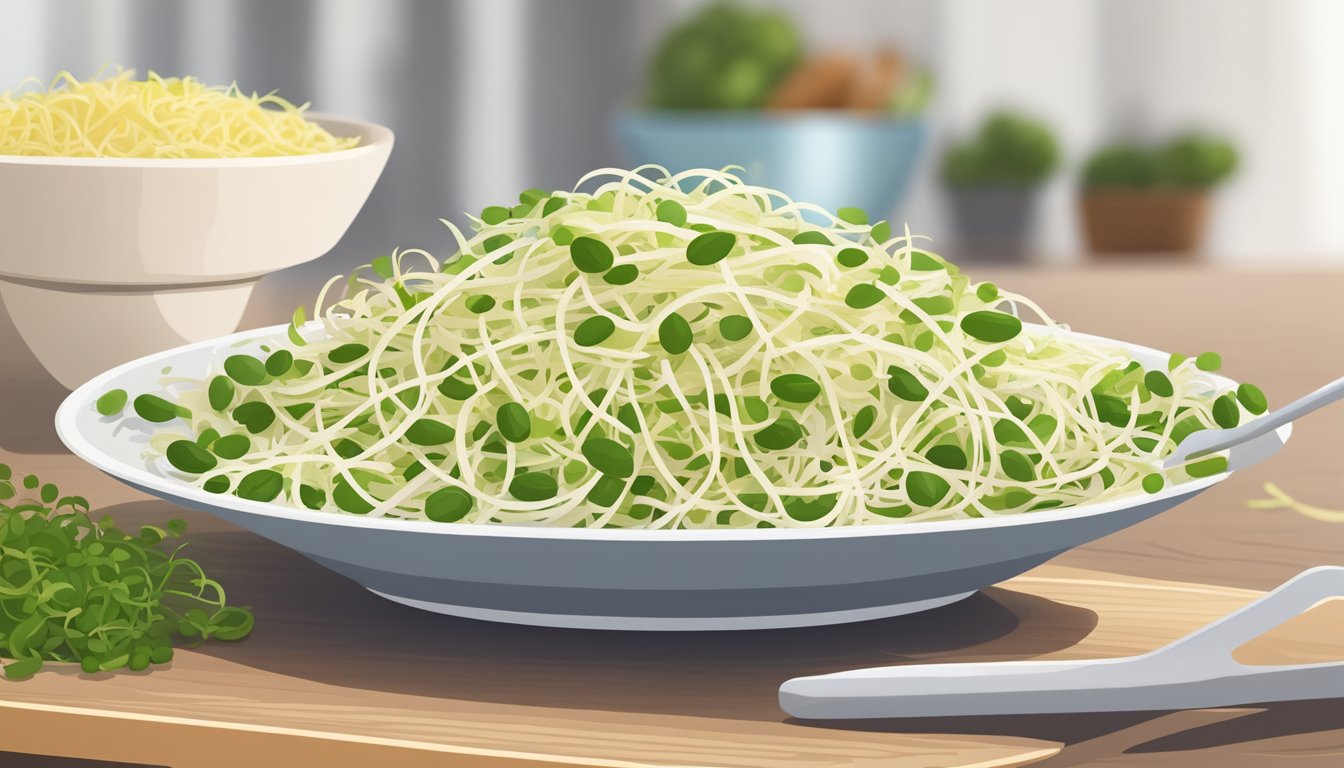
(682, 351)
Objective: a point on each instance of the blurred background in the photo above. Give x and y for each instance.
(1046, 132)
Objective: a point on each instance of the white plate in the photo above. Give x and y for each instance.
(622, 579)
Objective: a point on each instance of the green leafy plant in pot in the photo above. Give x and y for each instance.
(994, 180)
(734, 85)
(1139, 200)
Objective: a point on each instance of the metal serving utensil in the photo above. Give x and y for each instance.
(1194, 672)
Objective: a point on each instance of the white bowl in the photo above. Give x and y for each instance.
(108, 259)
(621, 579)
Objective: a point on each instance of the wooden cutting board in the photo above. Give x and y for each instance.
(334, 675)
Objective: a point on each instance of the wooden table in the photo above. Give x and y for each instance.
(1281, 330)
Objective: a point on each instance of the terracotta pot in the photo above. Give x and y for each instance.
(1124, 221)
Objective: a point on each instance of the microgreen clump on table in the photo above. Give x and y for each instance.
(73, 589)
(682, 352)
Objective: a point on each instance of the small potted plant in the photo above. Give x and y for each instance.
(733, 84)
(1143, 200)
(993, 180)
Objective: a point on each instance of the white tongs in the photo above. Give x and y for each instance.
(1194, 672)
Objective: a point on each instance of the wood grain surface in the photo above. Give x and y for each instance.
(326, 654)
(372, 675)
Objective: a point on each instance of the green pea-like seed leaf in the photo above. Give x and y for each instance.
(256, 416)
(779, 435)
(755, 408)
(154, 408)
(220, 392)
(1225, 411)
(495, 214)
(591, 255)
(807, 510)
(925, 488)
(905, 385)
(947, 456)
(675, 335)
(480, 303)
(347, 353)
(923, 262)
(863, 296)
(382, 267)
(1158, 383)
(1209, 361)
(881, 231)
(457, 389)
(346, 498)
(312, 497)
(514, 423)
(1111, 410)
(710, 248)
(594, 331)
(936, 305)
(187, 456)
(609, 457)
(675, 450)
(811, 237)
(1017, 466)
(995, 358)
(553, 205)
(533, 486)
(624, 274)
(1252, 399)
(991, 326)
(852, 257)
(606, 491)
(216, 484)
(987, 292)
(627, 416)
(448, 505)
(795, 388)
(852, 215)
(1019, 407)
(245, 369)
(1213, 465)
(1152, 483)
(430, 432)
(111, 402)
(1043, 425)
(672, 212)
(261, 485)
(279, 362)
(207, 436)
(863, 420)
(735, 327)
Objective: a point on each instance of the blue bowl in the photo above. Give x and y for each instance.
(830, 159)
